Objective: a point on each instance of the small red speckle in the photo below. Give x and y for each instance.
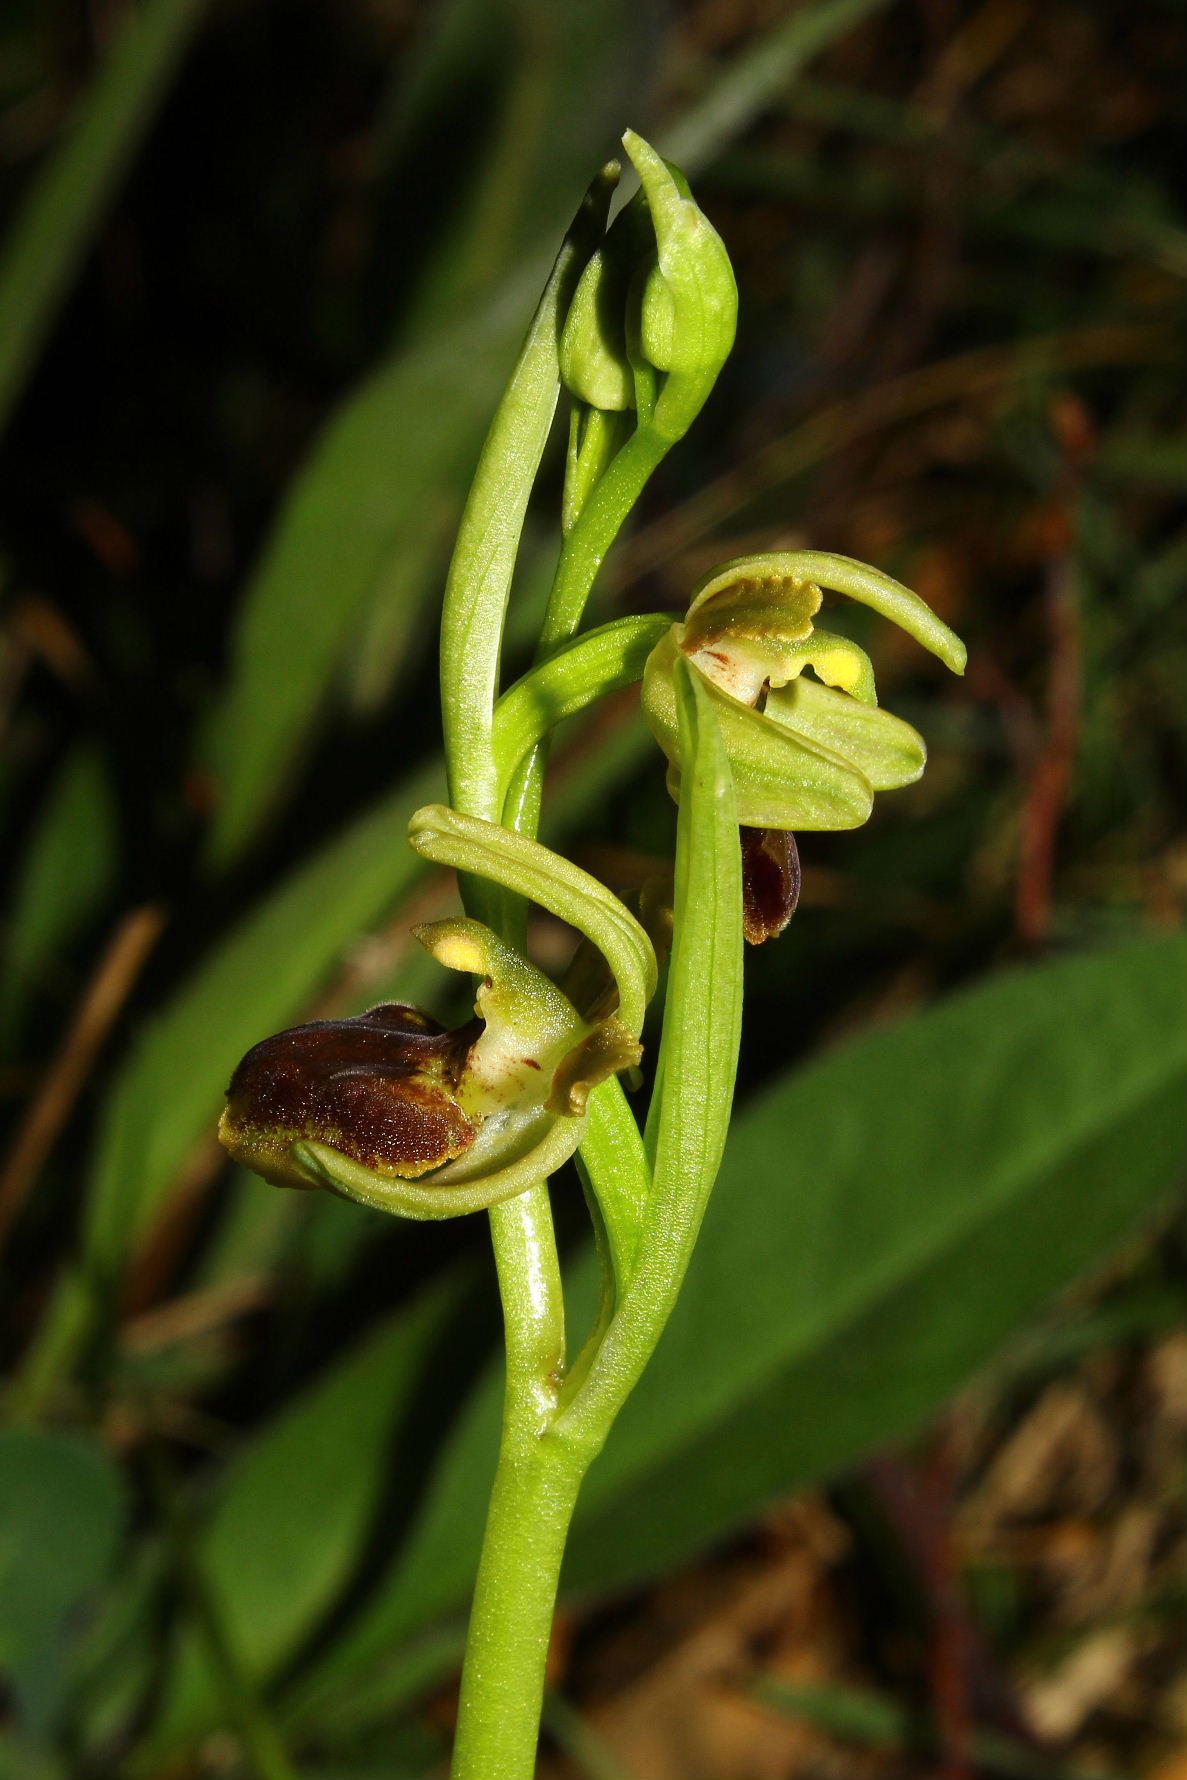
(531, 1063)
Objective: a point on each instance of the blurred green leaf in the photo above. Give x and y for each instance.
(61, 1511)
(569, 77)
(747, 86)
(884, 1220)
(292, 1516)
(356, 553)
(53, 230)
(64, 874)
(361, 517)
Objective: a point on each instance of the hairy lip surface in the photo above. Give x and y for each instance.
(381, 1087)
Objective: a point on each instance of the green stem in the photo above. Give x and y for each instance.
(582, 555)
(531, 1505)
(602, 516)
(538, 1475)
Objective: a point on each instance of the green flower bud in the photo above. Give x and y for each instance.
(689, 302)
(593, 355)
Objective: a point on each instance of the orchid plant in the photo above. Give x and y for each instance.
(769, 725)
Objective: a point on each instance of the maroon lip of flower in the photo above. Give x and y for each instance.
(381, 1087)
(770, 882)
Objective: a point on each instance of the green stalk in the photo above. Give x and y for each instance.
(584, 549)
(582, 555)
(553, 1426)
(532, 1499)
(56, 224)
(537, 1477)
(531, 1506)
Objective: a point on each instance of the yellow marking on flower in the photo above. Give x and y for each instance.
(456, 951)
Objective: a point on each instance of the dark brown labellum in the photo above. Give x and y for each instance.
(770, 882)
(380, 1087)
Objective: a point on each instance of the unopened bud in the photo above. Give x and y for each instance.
(689, 306)
(593, 353)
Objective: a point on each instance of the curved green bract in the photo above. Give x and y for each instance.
(521, 865)
(601, 661)
(483, 563)
(693, 1099)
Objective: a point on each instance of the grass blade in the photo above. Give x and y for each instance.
(54, 229)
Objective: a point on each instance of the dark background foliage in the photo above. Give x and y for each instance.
(243, 406)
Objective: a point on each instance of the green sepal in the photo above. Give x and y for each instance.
(887, 752)
(782, 778)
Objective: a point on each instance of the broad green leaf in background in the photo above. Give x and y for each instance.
(65, 873)
(884, 1219)
(293, 1514)
(54, 229)
(61, 1512)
